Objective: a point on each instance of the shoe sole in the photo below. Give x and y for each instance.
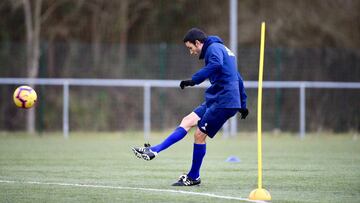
(137, 154)
(183, 185)
(145, 157)
(140, 155)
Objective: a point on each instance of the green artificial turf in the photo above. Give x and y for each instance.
(49, 168)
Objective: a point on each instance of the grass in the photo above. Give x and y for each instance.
(324, 168)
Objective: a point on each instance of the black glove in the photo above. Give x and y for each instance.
(186, 83)
(244, 112)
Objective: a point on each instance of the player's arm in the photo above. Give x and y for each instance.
(215, 61)
(243, 97)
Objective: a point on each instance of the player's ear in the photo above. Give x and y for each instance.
(197, 43)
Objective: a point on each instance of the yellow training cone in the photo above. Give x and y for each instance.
(260, 194)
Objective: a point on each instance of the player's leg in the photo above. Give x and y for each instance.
(199, 151)
(149, 153)
(179, 133)
(209, 125)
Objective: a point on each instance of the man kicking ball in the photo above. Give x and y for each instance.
(223, 99)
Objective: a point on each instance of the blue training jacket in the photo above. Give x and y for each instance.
(227, 87)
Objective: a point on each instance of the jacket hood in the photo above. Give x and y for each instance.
(209, 40)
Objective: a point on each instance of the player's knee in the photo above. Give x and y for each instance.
(188, 122)
(199, 137)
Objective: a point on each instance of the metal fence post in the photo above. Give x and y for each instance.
(66, 109)
(302, 111)
(147, 111)
(233, 46)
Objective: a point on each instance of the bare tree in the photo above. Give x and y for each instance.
(33, 25)
(124, 26)
(33, 19)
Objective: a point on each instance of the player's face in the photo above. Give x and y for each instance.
(195, 49)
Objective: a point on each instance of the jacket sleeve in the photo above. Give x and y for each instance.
(215, 61)
(243, 95)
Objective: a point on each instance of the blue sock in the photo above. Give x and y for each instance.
(178, 134)
(198, 156)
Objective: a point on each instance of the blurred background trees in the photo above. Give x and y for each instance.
(301, 23)
(61, 28)
(306, 40)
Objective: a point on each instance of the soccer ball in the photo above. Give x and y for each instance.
(24, 97)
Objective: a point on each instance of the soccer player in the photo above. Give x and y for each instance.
(223, 99)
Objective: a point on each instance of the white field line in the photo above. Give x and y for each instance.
(129, 188)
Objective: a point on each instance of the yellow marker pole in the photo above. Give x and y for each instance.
(260, 193)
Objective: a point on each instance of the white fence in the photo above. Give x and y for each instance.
(147, 84)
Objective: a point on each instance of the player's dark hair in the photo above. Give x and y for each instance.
(195, 34)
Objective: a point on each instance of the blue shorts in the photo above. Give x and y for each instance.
(212, 119)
